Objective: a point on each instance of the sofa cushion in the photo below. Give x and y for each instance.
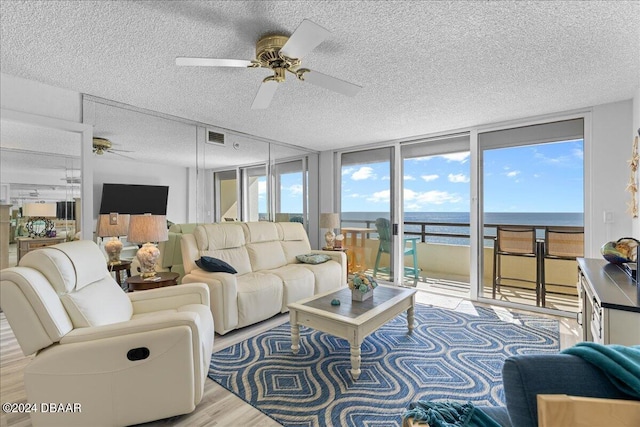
(298, 283)
(236, 257)
(215, 265)
(294, 240)
(101, 303)
(219, 236)
(313, 258)
(68, 267)
(259, 297)
(266, 255)
(328, 276)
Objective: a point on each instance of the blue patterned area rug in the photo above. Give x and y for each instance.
(449, 356)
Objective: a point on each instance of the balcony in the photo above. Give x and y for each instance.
(445, 270)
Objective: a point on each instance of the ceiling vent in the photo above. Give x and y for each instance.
(215, 138)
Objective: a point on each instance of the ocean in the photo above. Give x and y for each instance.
(540, 219)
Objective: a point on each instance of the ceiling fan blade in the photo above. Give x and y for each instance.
(117, 150)
(331, 83)
(265, 95)
(121, 155)
(212, 62)
(304, 39)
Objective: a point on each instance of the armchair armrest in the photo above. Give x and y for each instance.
(135, 326)
(169, 297)
(525, 377)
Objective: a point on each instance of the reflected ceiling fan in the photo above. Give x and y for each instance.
(103, 145)
(281, 54)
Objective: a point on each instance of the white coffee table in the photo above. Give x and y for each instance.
(351, 320)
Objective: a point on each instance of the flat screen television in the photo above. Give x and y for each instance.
(134, 199)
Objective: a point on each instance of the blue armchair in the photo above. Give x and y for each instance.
(527, 376)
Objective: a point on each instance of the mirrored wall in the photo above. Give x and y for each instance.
(213, 174)
(40, 165)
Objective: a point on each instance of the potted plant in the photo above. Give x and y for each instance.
(362, 286)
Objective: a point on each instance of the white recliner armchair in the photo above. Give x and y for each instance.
(122, 358)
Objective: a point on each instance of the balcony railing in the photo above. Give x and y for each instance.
(426, 229)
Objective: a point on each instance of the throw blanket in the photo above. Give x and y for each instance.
(449, 414)
(619, 363)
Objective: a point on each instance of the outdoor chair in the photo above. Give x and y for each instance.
(514, 241)
(560, 243)
(383, 227)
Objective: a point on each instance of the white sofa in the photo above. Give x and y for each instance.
(269, 276)
(118, 359)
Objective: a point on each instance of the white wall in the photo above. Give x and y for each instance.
(609, 173)
(33, 97)
(129, 172)
(635, 133)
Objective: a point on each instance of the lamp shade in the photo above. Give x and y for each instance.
(39, 210)
(329, 220)
(147, 228)
(113, 225)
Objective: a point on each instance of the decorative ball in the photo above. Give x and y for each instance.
(335, 301)
(621, 251)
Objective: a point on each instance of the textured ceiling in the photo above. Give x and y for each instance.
(424, 66)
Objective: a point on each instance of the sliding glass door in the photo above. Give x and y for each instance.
(290, 191)
(366, 215)
(532, 183)
(436, 203)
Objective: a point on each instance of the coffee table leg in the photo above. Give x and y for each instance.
(410, 319)
(295, 331)
(355, 361)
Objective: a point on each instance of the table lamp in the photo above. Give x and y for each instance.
(37, 212)
(329, 221)
(113, 225)
(146, 229)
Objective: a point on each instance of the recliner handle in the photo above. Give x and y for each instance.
(139, 353)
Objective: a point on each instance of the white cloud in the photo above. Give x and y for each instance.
(386, 178)
(409, 178)
(431, 177)
(379, 196)
(577, 152)
(513, 174)
(417, 200)
(364, 172)
(457, 178)
(457, 157)
(294, 189)
(262, 187)
(347, 171)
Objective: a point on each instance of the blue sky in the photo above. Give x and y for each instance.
(535, 178)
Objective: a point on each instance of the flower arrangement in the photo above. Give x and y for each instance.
(362, 283)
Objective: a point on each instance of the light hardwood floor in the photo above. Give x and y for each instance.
(219, 407)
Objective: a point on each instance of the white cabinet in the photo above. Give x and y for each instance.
(610, 302)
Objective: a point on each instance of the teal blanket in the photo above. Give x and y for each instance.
(449, 414)
(619, 363)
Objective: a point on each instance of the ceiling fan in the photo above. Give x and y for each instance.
(103, 145)
(281, 54)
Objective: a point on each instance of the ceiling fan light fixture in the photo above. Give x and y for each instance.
(100, 145)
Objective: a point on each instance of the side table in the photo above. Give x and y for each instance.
(118, 268)
(160, 280)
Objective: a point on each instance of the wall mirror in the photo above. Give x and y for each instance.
(41, 165)
(152, 148)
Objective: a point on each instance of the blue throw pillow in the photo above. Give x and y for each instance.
(214, 265)
(313, 258)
